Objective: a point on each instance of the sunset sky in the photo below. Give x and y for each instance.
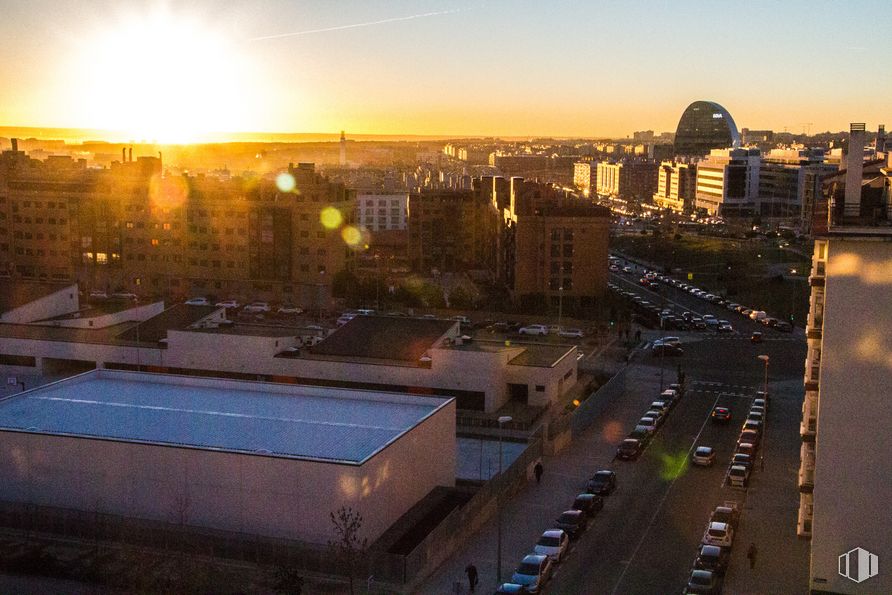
(177, 70)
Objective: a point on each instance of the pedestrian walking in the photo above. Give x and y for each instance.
(638, 336)
(471, 571)
(538, 471)
(751, 555)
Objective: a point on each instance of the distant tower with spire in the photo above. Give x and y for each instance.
(343, 156)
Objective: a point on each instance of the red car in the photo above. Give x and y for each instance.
(721, 415)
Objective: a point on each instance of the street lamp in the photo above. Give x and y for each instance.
(765, 359)
(502, 421)
(560, 306)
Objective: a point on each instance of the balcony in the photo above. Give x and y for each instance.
(807, 476)
(808, 427)
(806, 514)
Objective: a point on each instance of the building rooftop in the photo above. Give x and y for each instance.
(542, 355)
(178, 317)
(326, 424)
(19, 293)
(384, 337)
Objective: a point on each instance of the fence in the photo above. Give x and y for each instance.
(96, 527)
(592, 407)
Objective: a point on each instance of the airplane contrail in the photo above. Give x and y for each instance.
(358, 25)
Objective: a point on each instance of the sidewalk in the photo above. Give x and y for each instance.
(531, 510)
(770, 513)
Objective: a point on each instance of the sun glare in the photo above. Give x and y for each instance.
(165, 78)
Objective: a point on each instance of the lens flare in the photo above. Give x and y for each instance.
(331, 218)
(169, 192)
(285, 182)
(352, 236)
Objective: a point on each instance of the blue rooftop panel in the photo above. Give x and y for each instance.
(223, 415)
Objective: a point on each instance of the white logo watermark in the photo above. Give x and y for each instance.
(858, 565)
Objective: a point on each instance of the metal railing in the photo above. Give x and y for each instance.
(863, 214)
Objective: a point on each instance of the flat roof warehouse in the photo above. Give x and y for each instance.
(325, 424)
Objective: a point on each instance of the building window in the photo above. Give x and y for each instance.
(540, 388)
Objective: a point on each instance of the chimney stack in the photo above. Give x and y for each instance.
(854, 168)
(881, 139)
(15, 144)
(130, 157)
(123, 154)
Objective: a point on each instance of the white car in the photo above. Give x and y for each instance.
(738, 475)
(289, 309)
(703, 456)
(573, 333)
(345, 318)
(553, 544)
(125, 295)
(720, 534)
(757, 315)
(256, 307)
(532, 572)
(198, 301)
(227, 304)
(98, 294)
(534, 329)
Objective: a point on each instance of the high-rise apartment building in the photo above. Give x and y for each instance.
(676, 186)
(131, 228)
(627, 179)
(585, 176)
(728, 182)
(382, 212)
(844, 481)
(448, 230)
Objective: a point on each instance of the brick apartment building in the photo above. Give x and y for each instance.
(130, 228)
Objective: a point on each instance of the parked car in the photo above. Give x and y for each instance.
(345, 318)
(742, 459)
(98, 294)
(257, 307)
(746, 448)
(553, 543)
(198, 301)
(738, 476)
(666, 349)
(756, 415)
(629, 449)
(602, 483)
(228, 304)
(784, 326)
(590, 504)
(720, 534)
(760, 402)
(752, 426)
(288, 308)
(748, 436)
(703, 456)
(660, 406)
(703, 582)
(658, 416)
(756, 337)
(509, 588)
(641, 433)
(571, 333)
(649, 421)
(573, 522)
(124, 295)
(712, 558)
(532, 572)
(725, 327)
(728, 512)
(533, 329)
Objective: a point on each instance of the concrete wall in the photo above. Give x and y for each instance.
(59, 302)
(556, 380)
(852, 485)
(143, 312)
(263, 495)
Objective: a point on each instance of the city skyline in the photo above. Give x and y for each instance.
(166, 72)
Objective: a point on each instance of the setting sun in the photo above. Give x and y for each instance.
(165, 78)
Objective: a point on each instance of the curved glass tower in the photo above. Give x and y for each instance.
(705, 125)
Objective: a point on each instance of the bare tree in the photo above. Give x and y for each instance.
(347, 544)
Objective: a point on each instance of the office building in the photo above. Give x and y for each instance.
(844, 483)
(705, 125)
(676, 186)
(728, 183)
(784, 180)
(251, 458)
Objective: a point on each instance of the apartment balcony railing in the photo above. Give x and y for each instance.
(806, 514)
(806, 479)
